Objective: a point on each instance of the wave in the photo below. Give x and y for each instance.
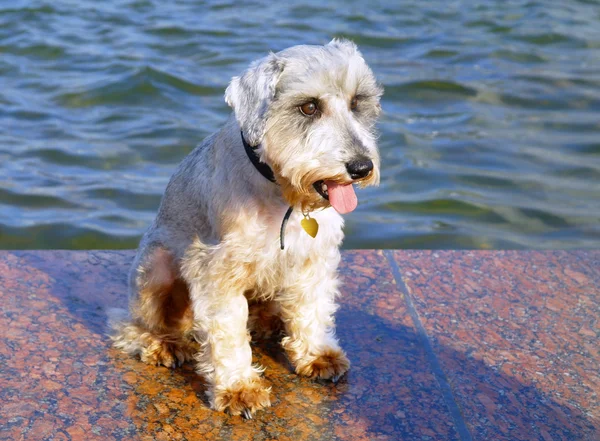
(143, 87)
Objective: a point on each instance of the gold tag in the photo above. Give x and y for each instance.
(310, 225)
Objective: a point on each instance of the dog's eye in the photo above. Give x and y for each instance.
(354, 103)
(308, 109)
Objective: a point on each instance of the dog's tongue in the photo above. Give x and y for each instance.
(341, 197)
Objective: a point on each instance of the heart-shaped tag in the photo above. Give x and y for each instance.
(310, 225)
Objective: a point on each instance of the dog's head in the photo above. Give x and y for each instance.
(312, 110)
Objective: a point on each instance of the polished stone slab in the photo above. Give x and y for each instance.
(451, 345)
(517, 335)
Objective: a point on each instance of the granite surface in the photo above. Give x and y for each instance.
(452, 345)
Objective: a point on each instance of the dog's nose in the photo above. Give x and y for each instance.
(359, 168)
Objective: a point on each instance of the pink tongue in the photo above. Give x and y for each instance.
(341, 197)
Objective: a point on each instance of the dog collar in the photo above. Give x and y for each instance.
(263, 168)
(267, 172)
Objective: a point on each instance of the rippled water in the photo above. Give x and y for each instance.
(490, 137)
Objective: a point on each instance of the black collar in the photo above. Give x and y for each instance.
(266, 171)
(263, 168)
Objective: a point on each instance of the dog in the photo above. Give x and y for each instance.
(232, 246)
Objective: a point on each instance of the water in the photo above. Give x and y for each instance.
(490, 137)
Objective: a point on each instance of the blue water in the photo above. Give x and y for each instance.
(490, 136)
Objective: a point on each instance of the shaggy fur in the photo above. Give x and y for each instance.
(213, 249)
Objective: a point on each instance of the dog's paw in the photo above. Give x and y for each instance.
(166, 354)
(243, 398)
(330, 364)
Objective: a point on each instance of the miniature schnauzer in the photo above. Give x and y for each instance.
(249, 227)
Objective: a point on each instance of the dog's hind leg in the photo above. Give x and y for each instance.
(159, 328)
(263, 319)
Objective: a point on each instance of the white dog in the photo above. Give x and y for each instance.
(302, 134)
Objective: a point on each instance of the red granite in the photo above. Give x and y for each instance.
(516, 333)
(500, 345)
(61, 380)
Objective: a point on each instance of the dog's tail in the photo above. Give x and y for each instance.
(127, 335)
(117, 323)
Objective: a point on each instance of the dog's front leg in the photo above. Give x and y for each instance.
(307, 310)
(234, 384)
(220, 321)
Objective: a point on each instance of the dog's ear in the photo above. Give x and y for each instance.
(345, 45)
(250, 96)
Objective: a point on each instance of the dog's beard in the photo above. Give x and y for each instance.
(302, 186)
(305, 195)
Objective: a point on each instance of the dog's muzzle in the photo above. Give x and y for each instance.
(341, 196)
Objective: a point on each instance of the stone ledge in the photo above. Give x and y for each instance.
(447, 345)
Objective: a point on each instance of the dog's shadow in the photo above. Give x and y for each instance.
(389, 393)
